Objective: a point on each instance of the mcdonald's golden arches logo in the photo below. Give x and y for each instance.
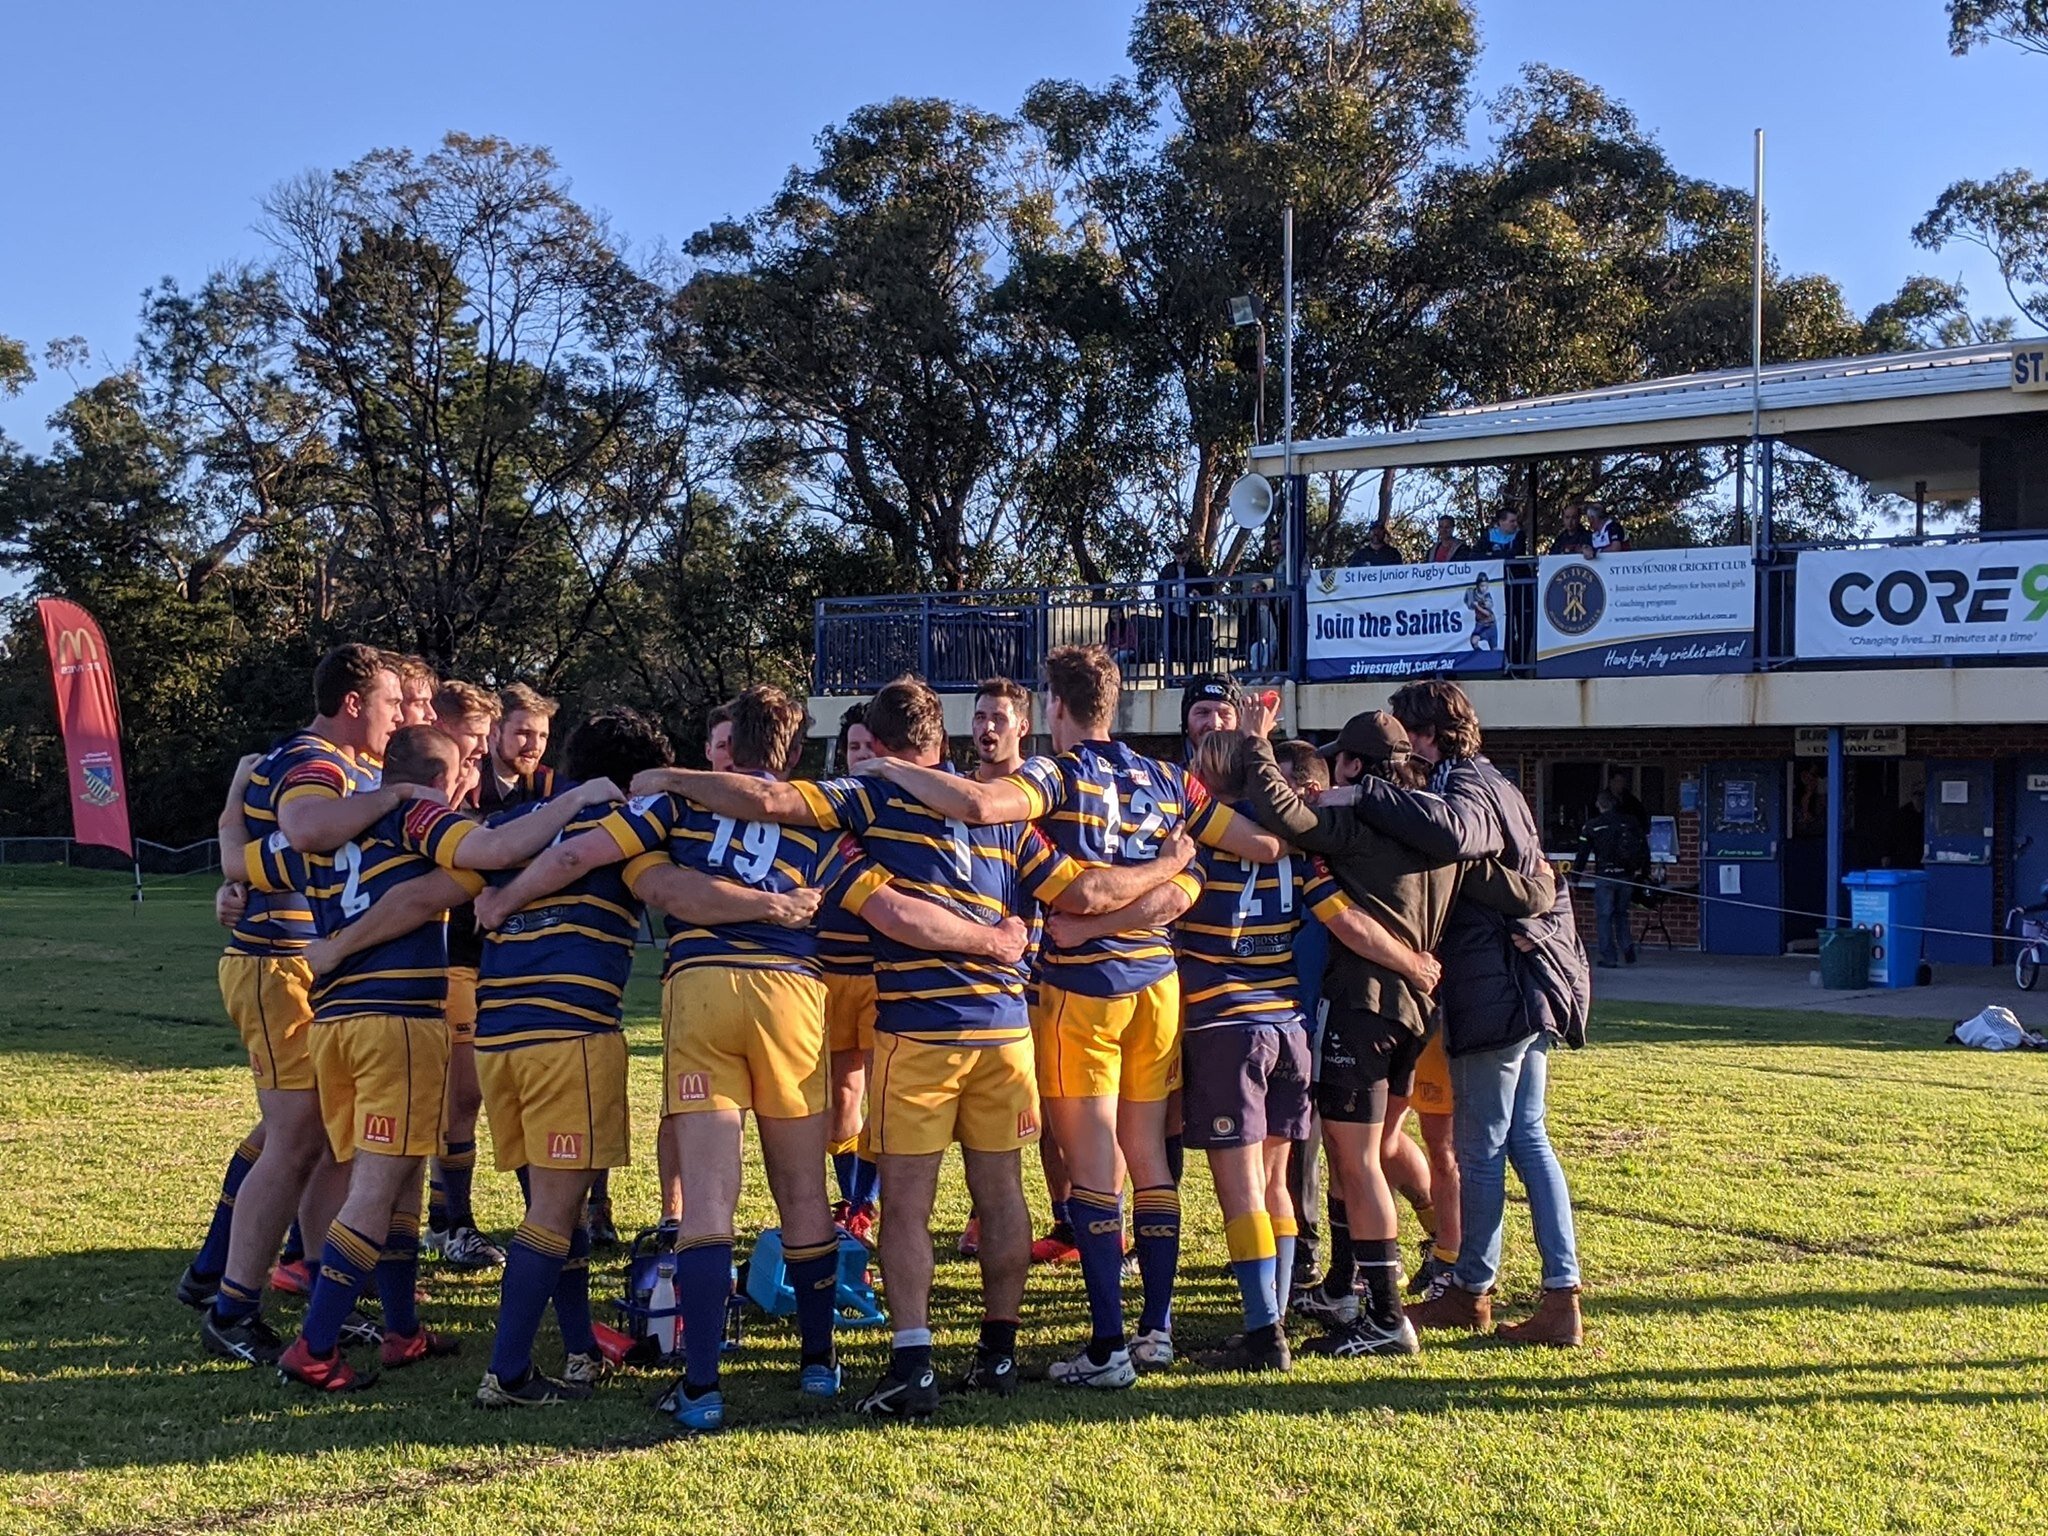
(78, 648)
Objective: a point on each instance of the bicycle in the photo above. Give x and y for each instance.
(2030, 926)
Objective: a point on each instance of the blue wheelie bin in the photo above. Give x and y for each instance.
(1892, 904)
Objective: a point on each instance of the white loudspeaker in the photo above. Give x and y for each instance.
(1251, 501)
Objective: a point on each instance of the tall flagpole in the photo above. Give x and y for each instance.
(1757, 500)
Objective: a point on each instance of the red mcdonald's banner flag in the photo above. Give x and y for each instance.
(90, 717)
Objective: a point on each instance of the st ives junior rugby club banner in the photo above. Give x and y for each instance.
(1949, 600)
(1645, 614)
(1406, 620)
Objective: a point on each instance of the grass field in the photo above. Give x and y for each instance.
(1817, 1270)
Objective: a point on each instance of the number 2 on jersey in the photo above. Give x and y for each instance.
(348, 858)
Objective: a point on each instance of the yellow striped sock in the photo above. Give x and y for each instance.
(1447, 1255)
(1425, 1218)
(554, 1244)
(841, 1148)
(355, 1247)
(1286, 1226)
(1249, 1237)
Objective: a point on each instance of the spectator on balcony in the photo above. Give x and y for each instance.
(1504, 539)
(1574, 538)
(1609, 537)
(1378, 549)
(1265, 634)
(1448, 545)
(1184, 590)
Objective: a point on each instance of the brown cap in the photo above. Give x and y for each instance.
(1375, 735)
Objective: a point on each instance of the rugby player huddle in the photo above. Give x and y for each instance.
(1116, 954)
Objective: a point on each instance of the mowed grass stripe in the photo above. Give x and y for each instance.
(1812, 1243)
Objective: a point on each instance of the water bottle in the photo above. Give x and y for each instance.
(664, 1320)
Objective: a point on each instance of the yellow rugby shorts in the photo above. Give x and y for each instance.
(558, 1103)
(850, 1012)
(1089, 1047)
(739, 1038)
(382, 1079)
(462, 1005)
(269, 998)
(1432, 1095)
(923, 1097)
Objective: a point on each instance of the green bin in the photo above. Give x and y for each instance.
(1845, 958)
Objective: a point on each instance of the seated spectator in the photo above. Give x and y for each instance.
(1609, 537)
(1448, 545)
(1574, 538)
(1378, 549)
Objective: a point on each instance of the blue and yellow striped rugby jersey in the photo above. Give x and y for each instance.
(1236, 943)
(981, 873)
(845, 943)
(763, 854)
(557, 968)
(1102, 804)
(279, 921)
(406, 976)
(367, 772)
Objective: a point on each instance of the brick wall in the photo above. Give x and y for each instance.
(1523, 755)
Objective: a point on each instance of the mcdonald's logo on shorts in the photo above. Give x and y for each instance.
(1027, 1123)
(565, 1146)
(692, 1087)
(381, 1130)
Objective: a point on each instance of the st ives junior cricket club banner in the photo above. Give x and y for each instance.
(1642, 615)
(1944, 600)
(1406, 620)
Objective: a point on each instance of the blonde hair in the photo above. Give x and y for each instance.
(1218, 765)
(517, 696)
(457, 700)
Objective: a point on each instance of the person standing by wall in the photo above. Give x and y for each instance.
(1620, 855)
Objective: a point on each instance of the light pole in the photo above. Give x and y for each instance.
(1246, 309)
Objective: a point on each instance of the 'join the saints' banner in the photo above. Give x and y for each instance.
(89, 715)
(1407, 620)
(1646, 614)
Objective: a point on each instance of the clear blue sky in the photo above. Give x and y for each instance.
(141, 135)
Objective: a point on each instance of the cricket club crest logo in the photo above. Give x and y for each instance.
(96, 770)
(1326, 580)
(1574, 599)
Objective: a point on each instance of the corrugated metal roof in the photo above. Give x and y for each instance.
(1684, 402)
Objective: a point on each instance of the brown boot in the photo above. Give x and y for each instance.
(1454, 1307)
(1555, 1322)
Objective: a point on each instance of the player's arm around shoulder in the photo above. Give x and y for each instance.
(423, 899)
(501, 845)
(1019, 797)
(706, 901)
(1107, 887)
(317, 814)
(1160, 907)
(738, 795)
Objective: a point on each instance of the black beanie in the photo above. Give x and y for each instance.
(1211, 686)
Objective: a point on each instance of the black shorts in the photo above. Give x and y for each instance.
(1359, 1052)
(1243, 1083)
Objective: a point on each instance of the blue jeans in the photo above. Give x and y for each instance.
(1497, 1120)
(1610, 913)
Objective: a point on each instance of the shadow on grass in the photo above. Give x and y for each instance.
(108, 1370)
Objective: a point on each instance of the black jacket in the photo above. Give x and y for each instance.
(1492, 996)
(1615, 845)
(1411, 893)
